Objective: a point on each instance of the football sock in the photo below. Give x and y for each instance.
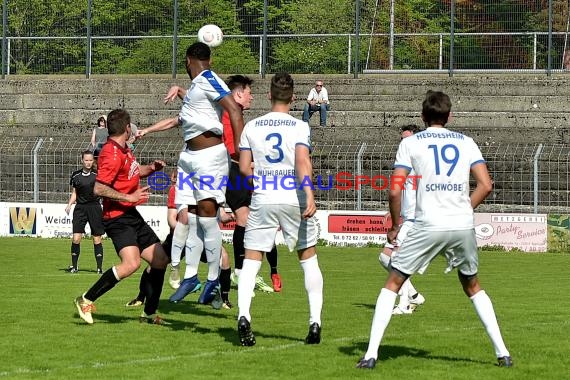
(412, 292)
(314, 288)
(194, 247)
(105, 283)
(178, 242)
(225, 283)
(382, 315)
(155, 280)
(486, 313)
(239, 249)
(143, 285)
(98, 250)
(212, 244)
(75, 251)
(272, 260)
(403, 293)
(246, 284)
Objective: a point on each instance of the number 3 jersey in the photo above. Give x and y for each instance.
(272, 139)
(442, 159)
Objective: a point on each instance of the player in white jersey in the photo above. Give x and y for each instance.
(279, 144)
(444, 224)
(203, 166)
(410, 299)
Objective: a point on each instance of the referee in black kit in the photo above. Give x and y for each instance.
(88, 209)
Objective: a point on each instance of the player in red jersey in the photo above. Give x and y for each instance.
(238, 197)
(117, 183)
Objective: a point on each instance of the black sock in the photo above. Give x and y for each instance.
(156, 280)
(272, 260)
(239, 250)
(105, 283)
(98, 249)
(225, 283)
(143, 286)
(75, 251)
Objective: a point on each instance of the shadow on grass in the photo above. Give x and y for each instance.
(231, 336)
(370, 306)
(387, 352)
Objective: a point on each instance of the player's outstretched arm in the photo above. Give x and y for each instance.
(146, 170)
(173, 93)
(162, 125)
(102, 190)
(484, 184)
(304, 171)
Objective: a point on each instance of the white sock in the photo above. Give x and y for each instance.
(212, 244)
(382, 315)
(385, 261)
(403, 293)
(314, 288)
(178, 242)
(246, 285)
(411, 290)
(194, 247)
(486, 313)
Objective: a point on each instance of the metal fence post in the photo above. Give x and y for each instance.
(175, 39)
(88, 47)
(358, 173)
(357, 42)
(4, 38)
(549, 63)
(37, 169)
(451, 37)
(535, 176)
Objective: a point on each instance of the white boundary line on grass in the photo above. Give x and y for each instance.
(240, 350)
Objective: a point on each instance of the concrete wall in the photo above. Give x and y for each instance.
(489, 108)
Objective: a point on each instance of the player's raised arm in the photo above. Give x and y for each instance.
(173, 93)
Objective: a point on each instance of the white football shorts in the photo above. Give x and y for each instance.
(264, 221)
(421, 246)
(205, 173)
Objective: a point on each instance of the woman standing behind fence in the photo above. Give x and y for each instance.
(99, 136)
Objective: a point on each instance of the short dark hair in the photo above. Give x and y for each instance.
(436, 108)
(410, 127)
(199, 51)
(117, 122)
(85, 152)
(282, 86)
(101, 118)
(238, 81)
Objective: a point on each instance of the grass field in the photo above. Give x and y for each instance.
(41, 335)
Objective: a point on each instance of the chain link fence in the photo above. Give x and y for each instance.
(527, 177)
(142, 37)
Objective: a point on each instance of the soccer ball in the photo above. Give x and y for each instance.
(211, 35)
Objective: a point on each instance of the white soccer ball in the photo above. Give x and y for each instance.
(211, 35)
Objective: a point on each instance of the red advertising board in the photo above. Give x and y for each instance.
(359, 224)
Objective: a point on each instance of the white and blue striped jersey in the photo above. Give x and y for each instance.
(200, 109)
(272, 139)
(443, 160)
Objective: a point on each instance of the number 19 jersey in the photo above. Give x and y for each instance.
(272, 139)
(442, 159)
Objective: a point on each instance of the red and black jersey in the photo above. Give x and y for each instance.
(118, 169)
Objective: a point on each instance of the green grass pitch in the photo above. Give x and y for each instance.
(41, 335)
